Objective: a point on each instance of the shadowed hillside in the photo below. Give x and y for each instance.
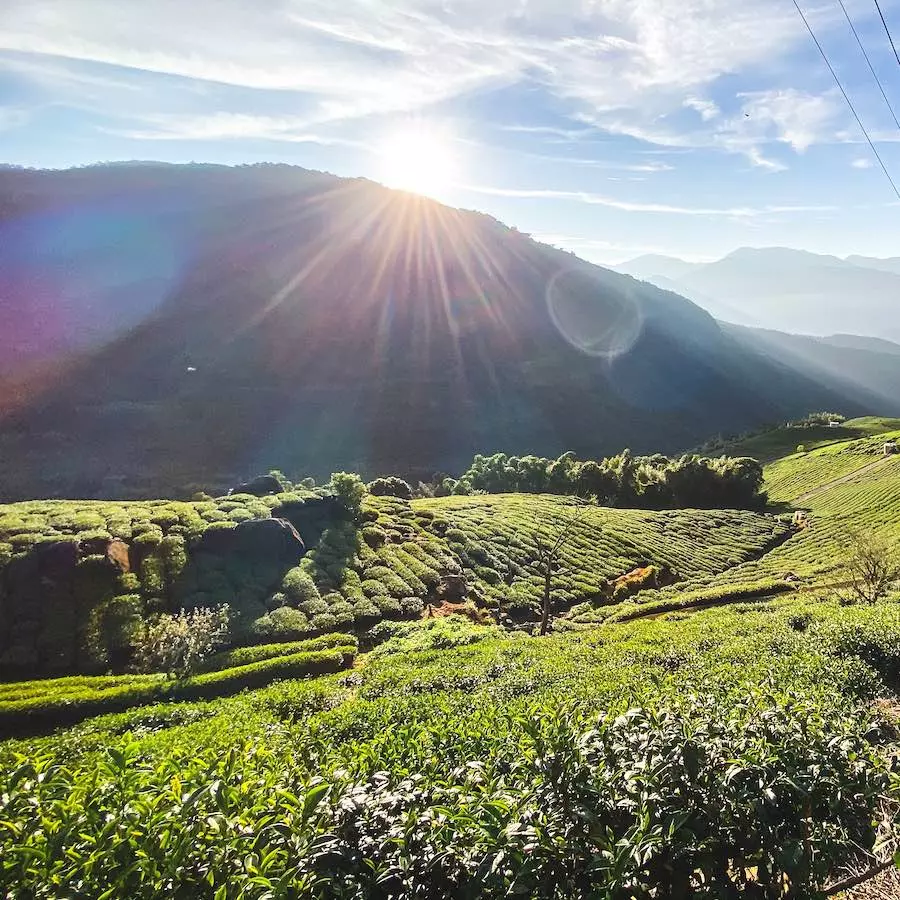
(171, 327)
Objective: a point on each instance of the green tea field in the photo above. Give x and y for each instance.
(388, 723)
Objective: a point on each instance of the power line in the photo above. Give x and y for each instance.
(887, 31)
(837, 81)
(869, 61)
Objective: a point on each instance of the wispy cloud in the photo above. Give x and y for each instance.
(706, 108)
(736, 212)
(862, 163)
(224, 126)
(623, 61)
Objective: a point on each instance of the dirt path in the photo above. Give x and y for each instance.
(863, 470)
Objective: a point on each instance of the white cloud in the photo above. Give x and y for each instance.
(632, 61)
(862, 163)
(737, 212)
(706, 108)
(793, 117)
(223, 126)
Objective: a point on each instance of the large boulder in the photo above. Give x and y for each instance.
(270, 539)
(56, 560)
(259, 486)
(312, 516)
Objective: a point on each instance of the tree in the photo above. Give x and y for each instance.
(547, 553)
(178, 644)
(872, 567)
(350, 490)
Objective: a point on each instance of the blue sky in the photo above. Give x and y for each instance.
(609, 127)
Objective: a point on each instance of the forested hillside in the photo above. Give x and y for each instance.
(169, 328)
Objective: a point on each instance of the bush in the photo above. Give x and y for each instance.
(282, 622)
(349, 490)
(178, 644)
(46, 709)
(299, 587)
(390, 486)
(258, 674)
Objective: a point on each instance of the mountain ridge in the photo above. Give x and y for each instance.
(244, 318)
(789, 290)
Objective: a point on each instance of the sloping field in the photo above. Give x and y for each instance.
(791, 477)
(494, 539)
(842, 488)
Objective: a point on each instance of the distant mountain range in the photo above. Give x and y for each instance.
(787, 290)
(170, 328)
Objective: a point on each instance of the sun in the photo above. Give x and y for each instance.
(418, 158)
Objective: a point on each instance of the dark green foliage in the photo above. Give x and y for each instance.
(390, 486)
(349, 490)
(655, 482)
(115, 624)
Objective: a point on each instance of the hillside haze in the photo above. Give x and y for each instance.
(167, 328)
(786, 290)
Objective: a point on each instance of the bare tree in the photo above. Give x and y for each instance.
(548, 552)
(872, 567)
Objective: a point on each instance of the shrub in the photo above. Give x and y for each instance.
(299, 587)
(178, 644)
(282, 622)
(114, 629)
(390, 486)
(258, 674)
(872, 567)
(349, 490)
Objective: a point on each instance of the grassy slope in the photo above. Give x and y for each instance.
(772, 445)
(442, 694)
(214, 777)
(391, 566)
(842, 487)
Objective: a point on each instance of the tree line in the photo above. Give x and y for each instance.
(653, 482)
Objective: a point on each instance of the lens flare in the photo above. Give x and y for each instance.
(593, 320)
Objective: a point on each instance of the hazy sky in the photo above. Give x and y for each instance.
(609, 127)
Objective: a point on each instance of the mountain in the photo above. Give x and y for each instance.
(653, 265)
(860, 342)
(871, 365)
(169, 328)
(892, 264)
(789, 290)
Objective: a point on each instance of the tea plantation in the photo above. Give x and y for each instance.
(728, 729)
